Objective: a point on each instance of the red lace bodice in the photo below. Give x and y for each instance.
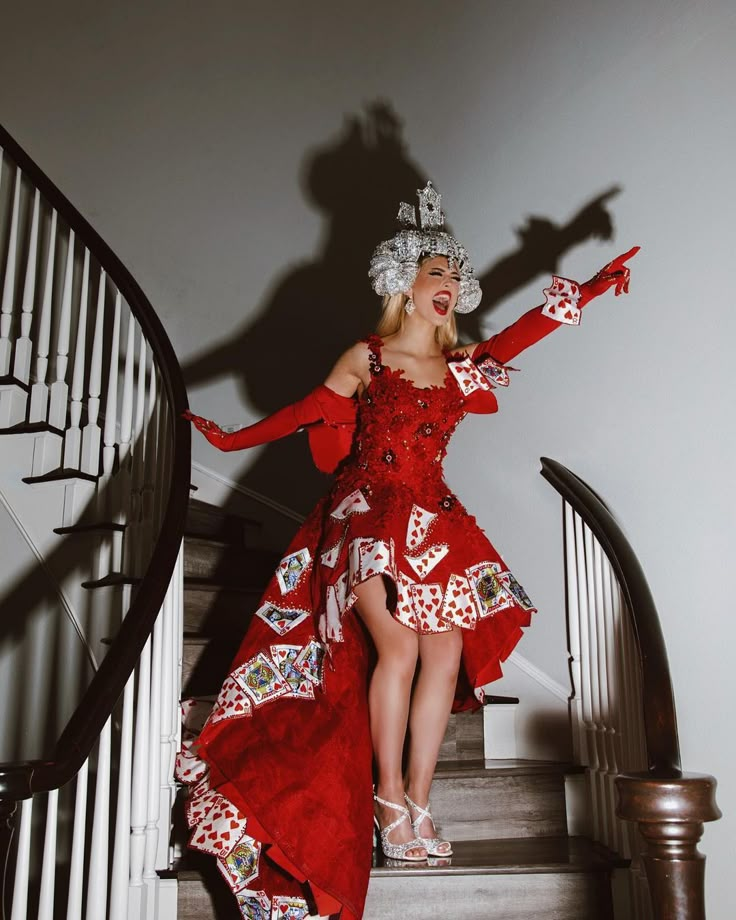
(404, 430)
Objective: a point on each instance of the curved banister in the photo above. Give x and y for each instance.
(21, 780)
(660, 721)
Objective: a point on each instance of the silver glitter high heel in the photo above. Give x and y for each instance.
(431, 844)
(397, 850)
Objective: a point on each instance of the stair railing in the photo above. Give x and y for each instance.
(88, 372)
(623, 714)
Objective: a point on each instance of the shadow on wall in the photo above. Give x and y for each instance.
(323, 306)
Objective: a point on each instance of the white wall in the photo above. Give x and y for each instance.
(190, 135)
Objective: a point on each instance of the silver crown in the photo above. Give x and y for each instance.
(395, 262)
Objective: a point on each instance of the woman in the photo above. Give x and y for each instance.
(281, 773)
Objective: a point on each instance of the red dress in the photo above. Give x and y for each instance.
(281, 773)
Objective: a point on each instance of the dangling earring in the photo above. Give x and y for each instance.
(409, 306)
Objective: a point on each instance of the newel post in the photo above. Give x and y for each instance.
(670, 813)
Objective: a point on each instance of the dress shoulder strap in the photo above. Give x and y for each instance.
(374, 343)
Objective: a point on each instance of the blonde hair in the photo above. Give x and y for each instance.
(393, 316)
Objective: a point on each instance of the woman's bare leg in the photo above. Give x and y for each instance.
(388, 699)
(439, 654)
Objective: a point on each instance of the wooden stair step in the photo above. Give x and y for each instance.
(490, 799)
(212, 609)
(227, 562)
(563, 878)
(205, 520)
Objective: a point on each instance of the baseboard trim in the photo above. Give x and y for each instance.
(271, 503)
(539, 676)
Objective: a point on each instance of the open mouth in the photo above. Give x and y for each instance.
(441, 302)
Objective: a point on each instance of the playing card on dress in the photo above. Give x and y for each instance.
(231, 702)
(420, 521)
(285, 907)
(427, 605)
(291, 569)
(188, 768)
(285, 656)
(516, 590)
(194, 713)
(424, 563)
(219, 830)
(281, 619)
(330, 556)
(261, 679)
(354, 559)
(355, 503)
(201, 801)
(458, 606)
(468, 377)
(254, 905)
(336, 597)
(240, 865)
(497, 374)
(404, 601)
(310, 661)
(490, 593)
(375, 558)
(561, 299)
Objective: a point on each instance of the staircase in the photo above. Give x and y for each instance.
(513, 857)
(94, 472)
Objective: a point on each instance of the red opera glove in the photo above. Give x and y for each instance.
(320, 410)
(564, 301)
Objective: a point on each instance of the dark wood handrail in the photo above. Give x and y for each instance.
(21, 780)
(660, 721)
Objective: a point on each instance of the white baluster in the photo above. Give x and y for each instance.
(602, 683)
(596, 736)
(134, 551)
(154, 763)
(121, 847)
(578, 726)
(22, 862)
(585, 657)
(13, 398)
(139, 791)
(48, 865)
(126, 413)
(123, 478)
(151, 460)
(97, 890)
(8, 301)
(91, 433)
(73, 436)
(176, 689)
(104, 504)
(168, 731)
(39, 390)
(613, 722)
(23, 347)
(59, 388)
(79, 834)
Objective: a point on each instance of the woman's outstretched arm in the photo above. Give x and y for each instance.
(565, 300)
(330, 403)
